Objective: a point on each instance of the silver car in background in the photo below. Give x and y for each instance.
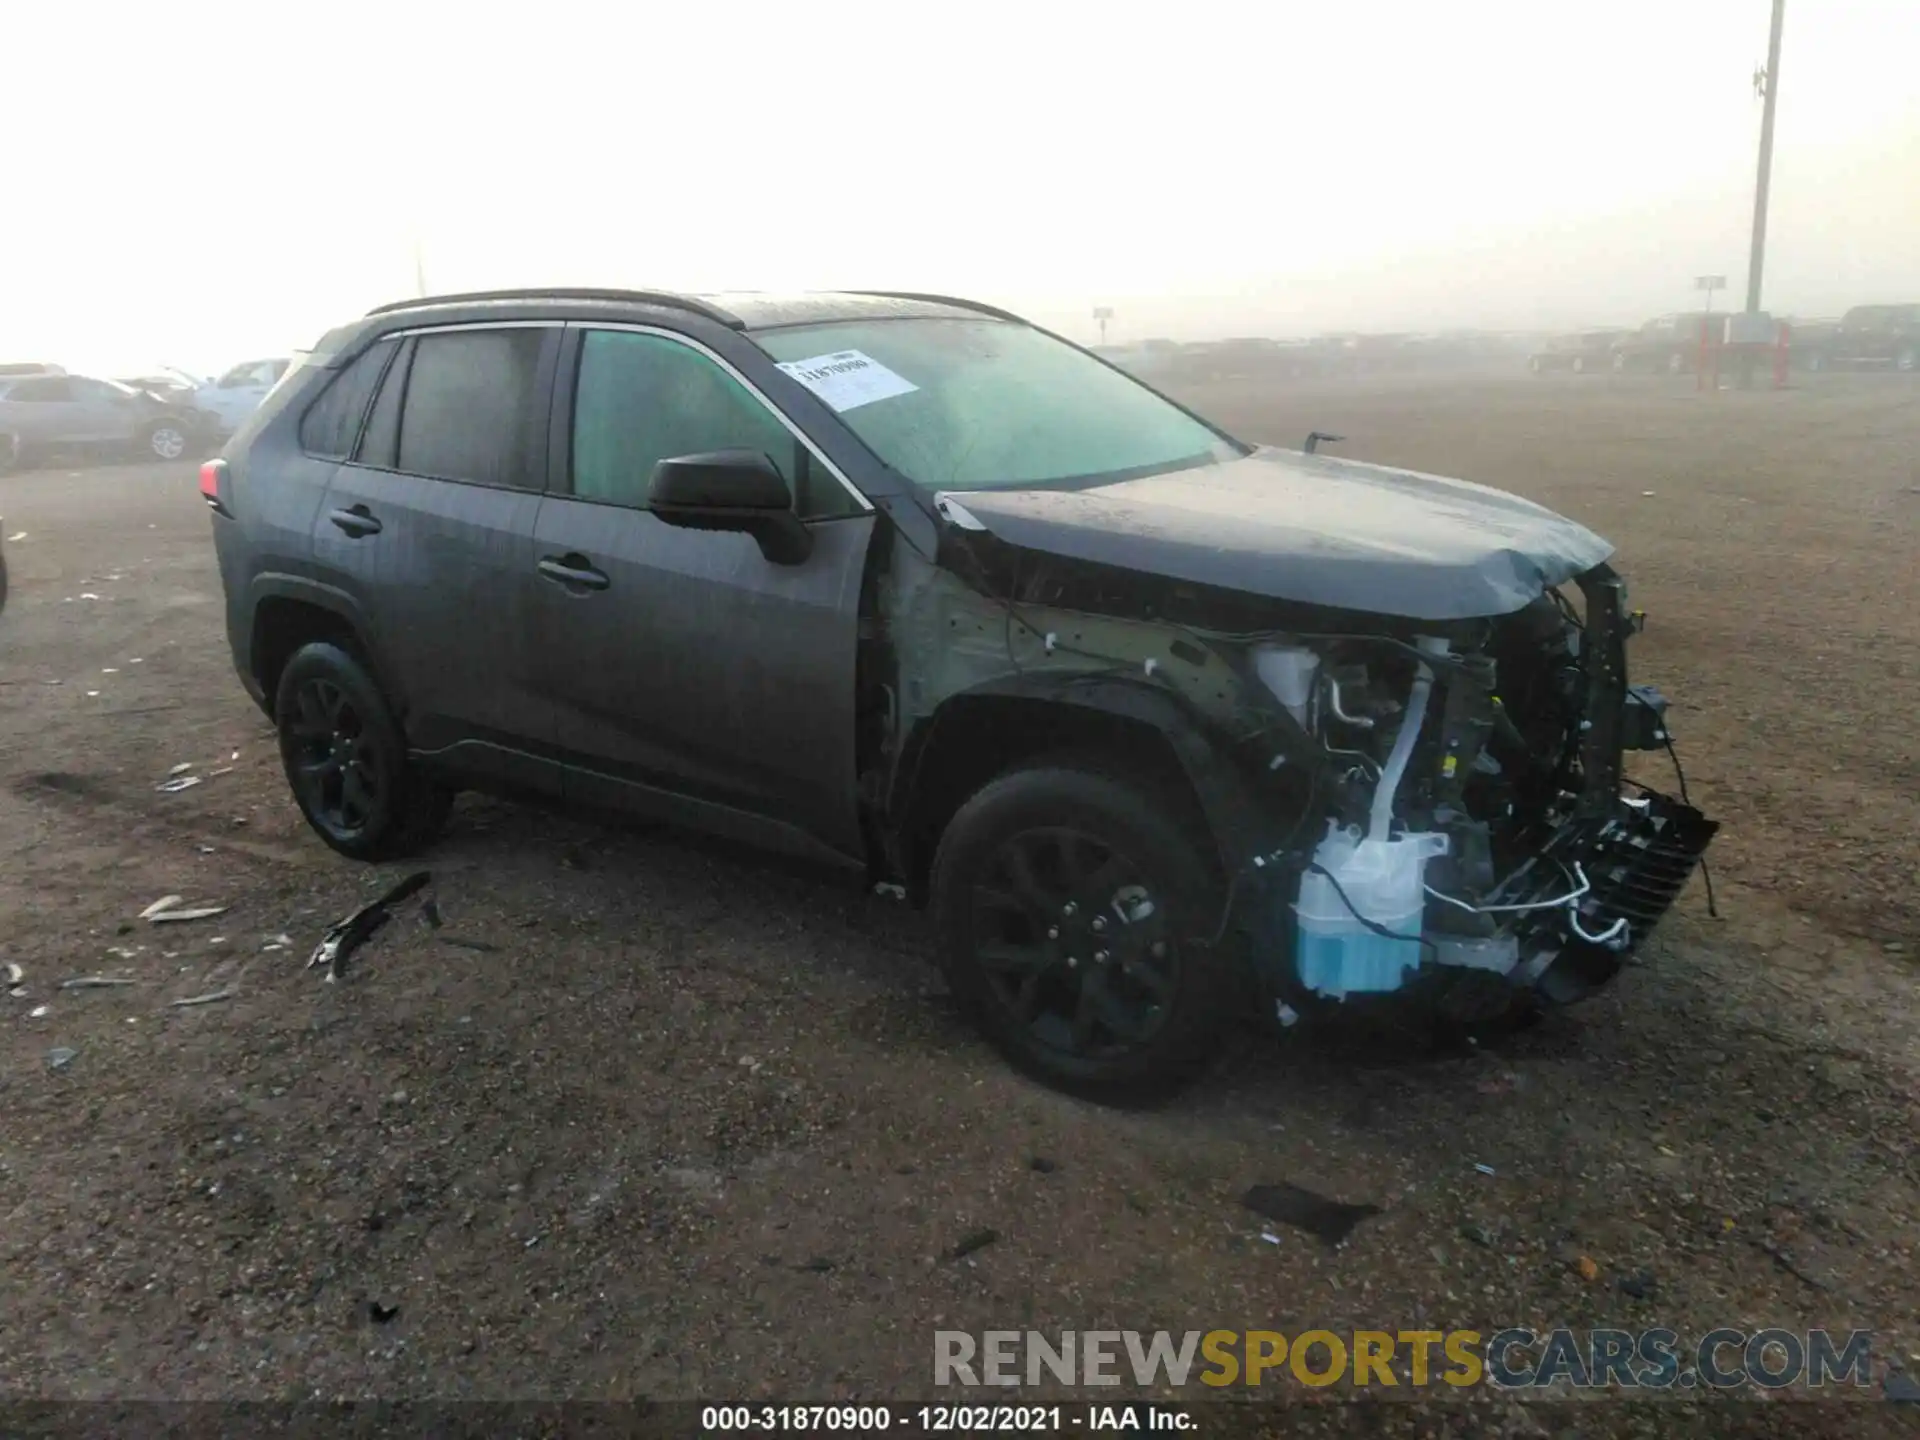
(46, 414)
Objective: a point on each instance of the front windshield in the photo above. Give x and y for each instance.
(982, 404)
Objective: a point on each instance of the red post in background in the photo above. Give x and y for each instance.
(1782, 355)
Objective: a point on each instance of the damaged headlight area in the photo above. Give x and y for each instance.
(1472, 830)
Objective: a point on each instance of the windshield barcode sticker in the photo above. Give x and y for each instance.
(848, 379)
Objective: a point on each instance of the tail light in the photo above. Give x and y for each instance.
(213, 482)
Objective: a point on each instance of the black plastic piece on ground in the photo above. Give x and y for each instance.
(1331, 1220)
(348, 935)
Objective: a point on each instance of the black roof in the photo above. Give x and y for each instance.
(739, 310)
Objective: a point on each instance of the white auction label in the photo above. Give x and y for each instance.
(848, 379)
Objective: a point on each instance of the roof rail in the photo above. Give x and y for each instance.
(665, 298)
(953, 300)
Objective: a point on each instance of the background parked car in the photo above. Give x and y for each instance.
(175, 386)
(41, 414)
(1585, 352)
(1669, 343)
(237, 394)
(1875, 336)
(29, 367)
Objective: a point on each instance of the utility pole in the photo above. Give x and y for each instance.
(1767, 82)
(419, 268)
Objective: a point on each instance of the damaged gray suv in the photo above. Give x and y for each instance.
(1166, 730)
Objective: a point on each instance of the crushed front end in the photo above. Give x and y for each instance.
(1470, 826)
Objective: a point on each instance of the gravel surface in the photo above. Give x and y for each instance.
(653, 1117)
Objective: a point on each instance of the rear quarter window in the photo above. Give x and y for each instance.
(331, 425)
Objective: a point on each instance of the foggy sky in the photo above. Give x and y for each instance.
(220, 180)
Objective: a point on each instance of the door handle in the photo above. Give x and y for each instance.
(576, 572)
(356, 520)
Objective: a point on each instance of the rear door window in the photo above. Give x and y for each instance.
(54, 389)
(332, 423)
(473, 410)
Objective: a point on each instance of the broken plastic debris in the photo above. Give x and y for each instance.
(978, 1240)
(17, 536)
(1269, 1237)
(223, 770)
(212, 997)
(165, 902)
(93, 694)
(278, 942)
(204, 912)
(177, 784)
(109, 670)
(88, 595)
(182, 768)
(349, 934)
(60, 1057)
(14, 973)
(890, 890)
(95, 982)
(1331, 1220)
(1483, 1169)
(39, 1012)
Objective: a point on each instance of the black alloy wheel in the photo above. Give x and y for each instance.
(338, 772)
(346, 758)
(1077, 905)
(1073, 944)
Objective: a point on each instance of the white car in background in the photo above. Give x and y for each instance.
(238, 393)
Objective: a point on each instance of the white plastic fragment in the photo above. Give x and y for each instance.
(165, 902)
(205, 912)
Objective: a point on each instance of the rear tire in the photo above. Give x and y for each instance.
(167, 440)
(1908, 360)
(346, 759)
(1075, 911)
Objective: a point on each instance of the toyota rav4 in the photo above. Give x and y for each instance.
(1165, 729)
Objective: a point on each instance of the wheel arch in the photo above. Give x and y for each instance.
(982, 732)
(287, 612)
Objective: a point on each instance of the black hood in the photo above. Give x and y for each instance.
(1307, 528)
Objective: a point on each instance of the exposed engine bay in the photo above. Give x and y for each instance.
(1441, 803)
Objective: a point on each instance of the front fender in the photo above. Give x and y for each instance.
(1239, 828)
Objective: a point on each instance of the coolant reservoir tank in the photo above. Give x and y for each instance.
(1288, 671)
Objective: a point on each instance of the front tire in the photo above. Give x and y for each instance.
(346, 759)
(1076, 916)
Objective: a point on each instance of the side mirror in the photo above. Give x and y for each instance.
(731, 490)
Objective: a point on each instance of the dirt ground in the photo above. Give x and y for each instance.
(698, 1125)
